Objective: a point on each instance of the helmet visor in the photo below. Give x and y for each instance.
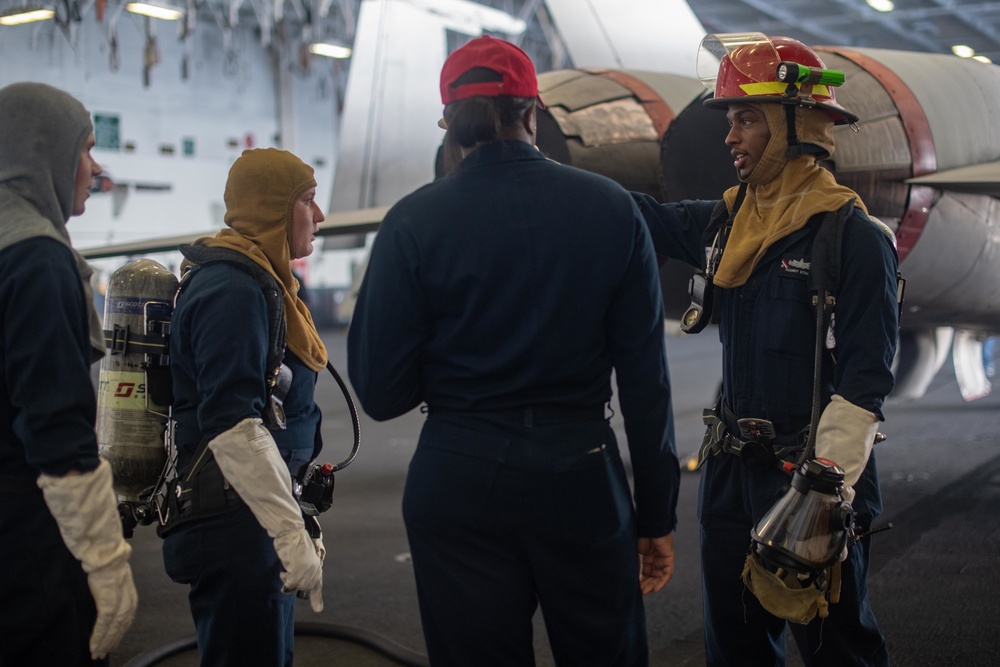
(757, 61)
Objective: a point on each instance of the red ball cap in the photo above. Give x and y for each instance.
(510, 62)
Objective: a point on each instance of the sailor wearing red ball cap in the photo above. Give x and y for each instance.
(502, 296)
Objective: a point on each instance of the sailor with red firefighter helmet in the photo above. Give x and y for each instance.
(755, 249)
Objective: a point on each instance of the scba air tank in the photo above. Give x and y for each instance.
(134, 386)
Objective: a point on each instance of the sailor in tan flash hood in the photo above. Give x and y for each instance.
(65, 574)
(244, 356)
(263, 188)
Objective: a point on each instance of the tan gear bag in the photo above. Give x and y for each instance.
(786, 596)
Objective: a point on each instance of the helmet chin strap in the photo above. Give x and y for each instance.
(794, 150)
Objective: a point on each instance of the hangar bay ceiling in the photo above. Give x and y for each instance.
(914, 25)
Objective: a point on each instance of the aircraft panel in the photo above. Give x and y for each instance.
(580, 92)
(576, 89)
(677, 91)
(694, 160)
(618, 133)
(861, 93)
(556, 78)
(626, 161)
(954, 265)
(956, 95)
(661, 35)
(388, 134)
(980, 179)
(885, 146)
(614, 122)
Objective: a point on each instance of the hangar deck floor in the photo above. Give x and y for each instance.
(935, 582)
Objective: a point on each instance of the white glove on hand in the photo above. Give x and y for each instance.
(304, 567)
(250, 462)
(321, 552)
(845, 435)
(86, 511)
(320, 549)
(317, 541)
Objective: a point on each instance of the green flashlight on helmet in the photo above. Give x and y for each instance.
(789, 72)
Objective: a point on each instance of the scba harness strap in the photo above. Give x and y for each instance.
(201, 256)
(278, 376)
(202, 491)
(765, 448)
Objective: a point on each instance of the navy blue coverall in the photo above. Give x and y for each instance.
(218, 350)
(768, 332)
(503, 296)
(47, 414)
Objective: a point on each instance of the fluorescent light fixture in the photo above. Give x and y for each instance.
(26, 16)
(881, 5)
(330, 50)
(982, 59)
(155, 10)
(963, 51)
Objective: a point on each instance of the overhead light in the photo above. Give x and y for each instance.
(156, 10)
(881, 5)
(982, 59)
(963, 51)
(330, 49)
(24, 15)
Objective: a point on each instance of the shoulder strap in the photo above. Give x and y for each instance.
(202, 256)
(824, 283)
(824, 270)
(720, 218)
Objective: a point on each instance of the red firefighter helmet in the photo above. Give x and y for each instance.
(738, 66)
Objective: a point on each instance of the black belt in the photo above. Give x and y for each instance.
(531, 414)
(722, 436)
(784, 437)
(19, 484)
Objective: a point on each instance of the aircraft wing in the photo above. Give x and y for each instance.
(976, 179)
(347, 222)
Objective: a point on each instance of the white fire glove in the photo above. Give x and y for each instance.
(318, 543)
(250, 462)
(86, 510)
(845, 435)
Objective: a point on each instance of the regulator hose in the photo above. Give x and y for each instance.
(355, 420)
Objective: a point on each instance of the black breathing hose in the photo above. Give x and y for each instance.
(355, 420)
(385, 647)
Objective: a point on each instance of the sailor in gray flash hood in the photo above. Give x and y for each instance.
(65, 574)
(42, 133)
